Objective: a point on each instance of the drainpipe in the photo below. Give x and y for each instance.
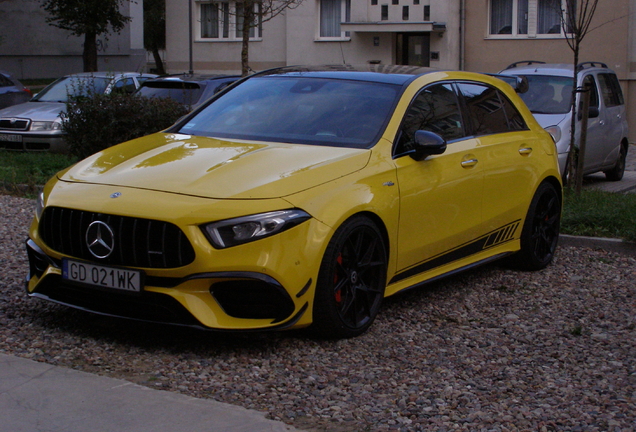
(462, 33)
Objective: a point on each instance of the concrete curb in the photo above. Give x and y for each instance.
(608, 244)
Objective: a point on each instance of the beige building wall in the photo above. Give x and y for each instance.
(610, 40)
(293, 38)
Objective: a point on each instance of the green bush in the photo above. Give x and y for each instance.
(99, 121)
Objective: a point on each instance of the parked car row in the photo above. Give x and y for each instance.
(36, 124)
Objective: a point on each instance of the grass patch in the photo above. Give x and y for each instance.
(599, 214)
(31, 168)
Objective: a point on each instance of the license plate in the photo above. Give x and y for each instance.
(102, 276)
(11, 138)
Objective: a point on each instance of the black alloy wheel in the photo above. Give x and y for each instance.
(540, 233)
(351, 281)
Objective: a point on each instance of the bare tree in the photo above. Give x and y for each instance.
(576, 20)
(250, 14)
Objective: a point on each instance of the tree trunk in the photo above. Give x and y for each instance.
(248, 22)
(161, 70)
(89, 55)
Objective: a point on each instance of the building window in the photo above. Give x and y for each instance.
(427, 13)
(332, 13)
(529, 18)
(405, 13)
(416, 2)
(374, 2)
(385, 13)
(224, 21)
(395, 2)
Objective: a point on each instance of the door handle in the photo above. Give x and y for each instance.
(469, 163)
(525, 151)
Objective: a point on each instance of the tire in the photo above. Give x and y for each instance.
(351, 281)
(540, 233)
(616, 173)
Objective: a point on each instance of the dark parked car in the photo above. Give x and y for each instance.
(190, 90)
(12, 92)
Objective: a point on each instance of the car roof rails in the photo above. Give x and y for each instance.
(523, 62)
(584, 65)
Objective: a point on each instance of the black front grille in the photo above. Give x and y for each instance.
(14, 124)
(137, 242)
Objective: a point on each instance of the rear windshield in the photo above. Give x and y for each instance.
(61, 89)
(548, 94)
(185, 93)
(302, 110)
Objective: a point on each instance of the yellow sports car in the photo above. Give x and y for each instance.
(301, 197)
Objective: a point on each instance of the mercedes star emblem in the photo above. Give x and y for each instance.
(100, 239)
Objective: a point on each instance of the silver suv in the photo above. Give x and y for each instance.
(549, 98)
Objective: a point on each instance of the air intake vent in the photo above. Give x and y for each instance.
(14, 124)
(135, 242)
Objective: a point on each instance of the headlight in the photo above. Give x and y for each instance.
(555, 131)
(232, 232)
(41, 126)
(39, 205)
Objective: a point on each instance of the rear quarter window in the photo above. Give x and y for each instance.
(489, 110)
(611, 89)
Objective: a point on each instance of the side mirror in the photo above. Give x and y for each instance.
(592, 113)
(427, 144)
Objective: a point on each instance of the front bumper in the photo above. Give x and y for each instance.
(217, 300)
(265, 284)
(55, 143)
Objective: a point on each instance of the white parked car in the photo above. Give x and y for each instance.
(36, 125)
(549, 98)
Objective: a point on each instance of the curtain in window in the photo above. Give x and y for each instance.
(522, 17)
(330, 17)
(256, 22)
(209, 20)
(549, 17)
(501, 16)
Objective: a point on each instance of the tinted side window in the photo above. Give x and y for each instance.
(486, 111)
(434, 109)
(5, 82)
(594, 101)
(611, 89)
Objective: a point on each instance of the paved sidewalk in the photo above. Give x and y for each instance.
(627, 184)
(38, 397)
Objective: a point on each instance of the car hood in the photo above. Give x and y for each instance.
(215, 168)
(38, 111)
(546, 120)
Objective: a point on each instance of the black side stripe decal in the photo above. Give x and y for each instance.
(494, 238)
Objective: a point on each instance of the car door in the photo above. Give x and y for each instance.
(595, 150)
(440, 197)
(504, 144)
(615, 115)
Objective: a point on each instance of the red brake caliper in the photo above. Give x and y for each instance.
(338, 294)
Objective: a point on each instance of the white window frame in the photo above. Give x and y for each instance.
(233, 30)
(532, 22)
(345, 16)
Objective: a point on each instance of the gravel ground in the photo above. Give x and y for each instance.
(490, 350)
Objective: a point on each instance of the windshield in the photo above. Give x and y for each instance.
(548, 94)
(185, 93)
(61, 89)
(302, 110)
